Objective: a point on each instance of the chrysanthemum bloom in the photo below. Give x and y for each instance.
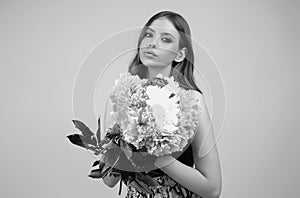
(157, 114)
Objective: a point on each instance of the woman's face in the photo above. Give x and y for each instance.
(160, 45)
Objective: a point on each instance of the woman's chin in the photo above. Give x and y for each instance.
(153, 64)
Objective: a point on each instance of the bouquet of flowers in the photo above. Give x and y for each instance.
(151, 118)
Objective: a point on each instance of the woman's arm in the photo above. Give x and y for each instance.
(205, 179)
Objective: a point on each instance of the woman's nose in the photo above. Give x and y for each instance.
(153, 43)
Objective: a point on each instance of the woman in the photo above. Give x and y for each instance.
(165, 47)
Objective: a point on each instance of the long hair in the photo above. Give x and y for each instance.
(183, 72)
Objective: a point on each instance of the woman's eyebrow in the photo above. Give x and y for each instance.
(163, 33)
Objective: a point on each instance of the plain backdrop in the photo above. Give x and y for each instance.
(43, 43)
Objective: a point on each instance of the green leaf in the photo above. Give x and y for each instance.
(98, 133)
(83, 128)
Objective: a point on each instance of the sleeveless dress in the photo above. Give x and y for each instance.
(168, 188)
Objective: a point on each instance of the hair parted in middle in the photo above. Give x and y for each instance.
(183, 72)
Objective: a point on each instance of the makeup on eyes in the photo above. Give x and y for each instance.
(162, 33)
(164, 39)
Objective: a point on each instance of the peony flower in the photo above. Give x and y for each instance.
(156, 114)
(164, 108)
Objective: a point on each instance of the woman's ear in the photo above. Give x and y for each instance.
(180, 55)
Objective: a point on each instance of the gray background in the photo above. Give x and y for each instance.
(43, 44)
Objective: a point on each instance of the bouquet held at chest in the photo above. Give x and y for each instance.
(149, 118)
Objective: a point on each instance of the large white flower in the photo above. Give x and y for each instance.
(164, 108)
(172, 84)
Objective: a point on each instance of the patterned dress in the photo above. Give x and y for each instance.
(168, 188)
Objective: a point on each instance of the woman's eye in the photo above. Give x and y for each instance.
(167, 40)
(148, 34)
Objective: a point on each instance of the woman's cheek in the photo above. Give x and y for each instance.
(168, 57)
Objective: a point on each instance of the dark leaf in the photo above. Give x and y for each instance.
(126, 148)
(90, 140)
(111, 156)
(105, 171)
(142, 161)
(94, 141)
(109, 169)
(103, 143)
(125, 164)
(98, 133)
(96, 163)
(101, 165)
(110, 145)
(79, 140)
(90, 147)
(115, 172)
(115, 163)
(76, 139)
(95, 174)
(83, 128)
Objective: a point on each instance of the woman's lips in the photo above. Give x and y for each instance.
(150, 54)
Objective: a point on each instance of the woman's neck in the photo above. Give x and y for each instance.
(153, 71)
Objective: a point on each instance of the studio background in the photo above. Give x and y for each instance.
(254, 43)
